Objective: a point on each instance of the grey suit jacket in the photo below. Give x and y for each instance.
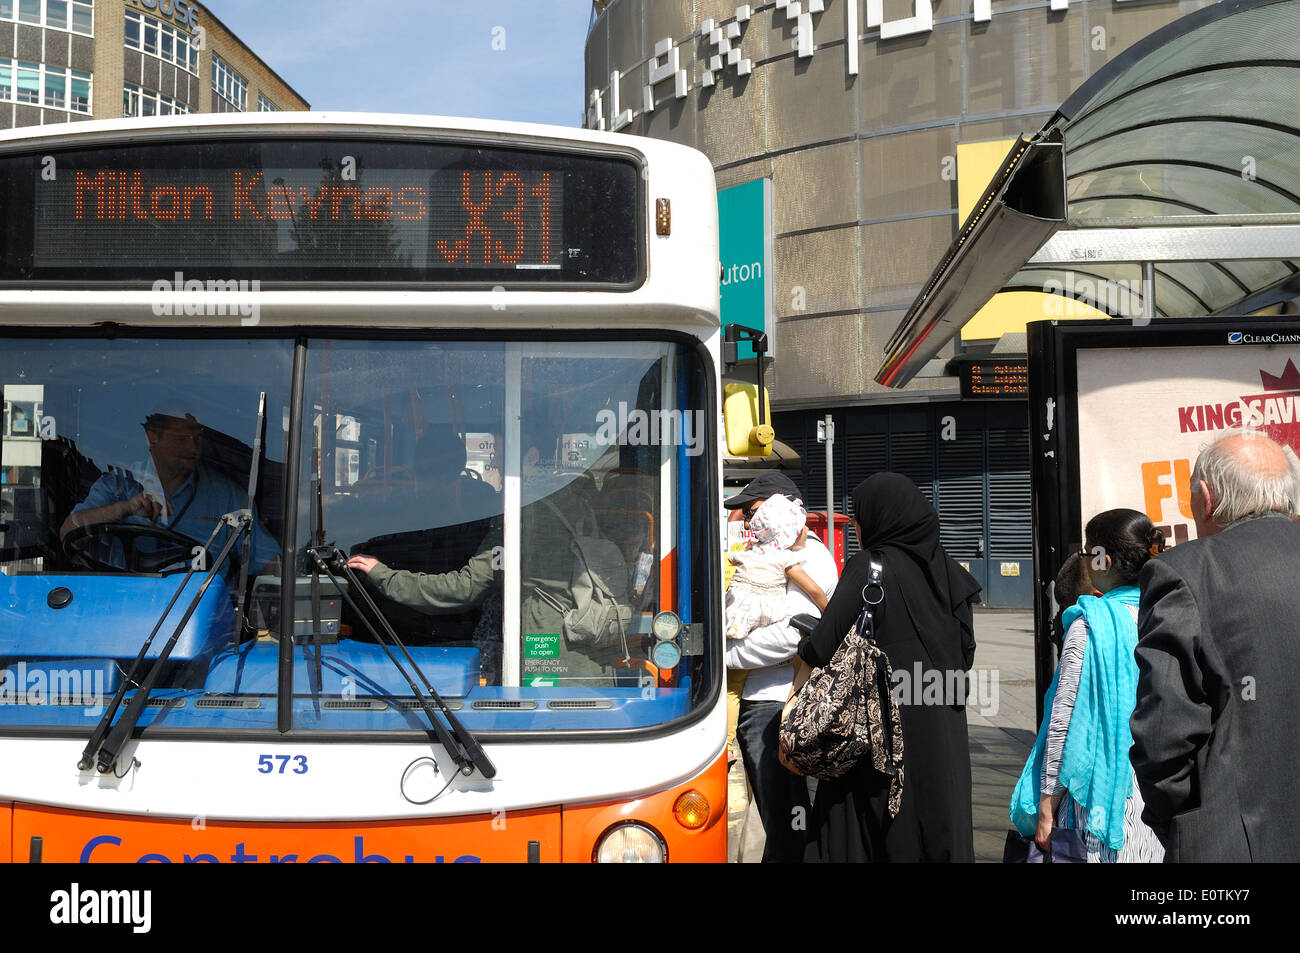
(1216, 750)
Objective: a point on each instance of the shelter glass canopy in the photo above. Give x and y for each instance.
(1195, 127)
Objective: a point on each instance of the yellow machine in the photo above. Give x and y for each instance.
(746, 436)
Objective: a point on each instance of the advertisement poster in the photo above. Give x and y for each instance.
(1145, 414)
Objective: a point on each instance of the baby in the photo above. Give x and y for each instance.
(1072, 581)
(756, 596)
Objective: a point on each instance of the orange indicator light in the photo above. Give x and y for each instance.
(692, 810)
(663, 217)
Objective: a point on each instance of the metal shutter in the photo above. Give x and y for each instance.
(867, 453)
(1010, 515)
(912, 455)
(961, 494)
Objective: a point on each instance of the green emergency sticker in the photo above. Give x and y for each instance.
(542, 646)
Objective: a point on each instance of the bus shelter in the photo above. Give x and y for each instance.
(1166, 186)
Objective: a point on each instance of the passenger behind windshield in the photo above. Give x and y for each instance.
(179, 493)
(546, 561)
(455, 510)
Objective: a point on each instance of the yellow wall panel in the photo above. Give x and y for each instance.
(1006, 313)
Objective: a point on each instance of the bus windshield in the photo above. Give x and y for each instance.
(529, 516)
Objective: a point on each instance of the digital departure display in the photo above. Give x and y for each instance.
(310, 211)
(1008, 378)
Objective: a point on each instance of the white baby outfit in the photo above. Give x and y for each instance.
(756, 596)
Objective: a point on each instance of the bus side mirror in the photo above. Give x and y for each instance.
(746, 437)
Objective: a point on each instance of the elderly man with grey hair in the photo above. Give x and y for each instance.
(1218, 698)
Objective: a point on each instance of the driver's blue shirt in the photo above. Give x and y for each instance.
(196, 507)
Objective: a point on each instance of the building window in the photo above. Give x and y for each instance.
(229, 85)
(55, 87)
(265, 105)
(79, 102)
(162, 40)
(139, 101)
(75, 15)
(29, 83)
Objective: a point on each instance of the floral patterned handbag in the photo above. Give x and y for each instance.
(845, 711)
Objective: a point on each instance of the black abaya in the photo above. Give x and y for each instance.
(924, 625)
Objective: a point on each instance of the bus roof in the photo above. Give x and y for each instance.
(327, 121)
(680, 288)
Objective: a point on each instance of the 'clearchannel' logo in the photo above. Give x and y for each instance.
(178, 297)
(1238, 337)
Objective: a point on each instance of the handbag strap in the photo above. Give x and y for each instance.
(873, 594)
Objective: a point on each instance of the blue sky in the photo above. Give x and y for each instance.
(424, 56)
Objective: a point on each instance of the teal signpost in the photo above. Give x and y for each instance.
(745, 250)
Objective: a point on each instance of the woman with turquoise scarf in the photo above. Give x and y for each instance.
(1079, 775)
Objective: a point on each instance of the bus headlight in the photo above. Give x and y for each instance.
(630, 843)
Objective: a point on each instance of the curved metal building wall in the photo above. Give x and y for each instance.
(854, 110)
(859, 137)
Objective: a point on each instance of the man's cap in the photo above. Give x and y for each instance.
(763, 486)
(168, 411)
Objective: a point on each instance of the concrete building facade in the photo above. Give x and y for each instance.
(71, 60)
(872, 120)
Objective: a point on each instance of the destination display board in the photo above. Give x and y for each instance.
(311, 210)
(1007, 379)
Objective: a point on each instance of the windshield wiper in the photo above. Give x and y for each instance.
(246, 552)
(242, 520)
(106, 719)
(463, 747)
(104, 751)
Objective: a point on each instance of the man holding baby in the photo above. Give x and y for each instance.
(766, 655)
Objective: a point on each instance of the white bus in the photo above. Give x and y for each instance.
(360, 481)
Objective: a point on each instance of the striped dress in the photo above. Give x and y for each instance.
(1140, 842)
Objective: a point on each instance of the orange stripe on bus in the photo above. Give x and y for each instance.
(668, 581)
(6, 827)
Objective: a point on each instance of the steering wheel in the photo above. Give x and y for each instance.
(177, 547)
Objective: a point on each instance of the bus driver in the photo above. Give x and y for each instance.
(193, 497)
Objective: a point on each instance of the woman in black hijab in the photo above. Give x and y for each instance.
(924, 625)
